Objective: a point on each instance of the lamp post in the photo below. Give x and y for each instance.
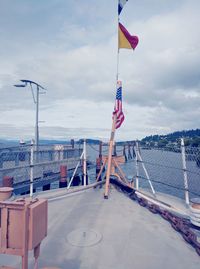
(36, 102)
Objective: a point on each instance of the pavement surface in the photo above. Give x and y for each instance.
(86, 231)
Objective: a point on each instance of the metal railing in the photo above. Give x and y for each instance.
(174, 170)
(25, 163)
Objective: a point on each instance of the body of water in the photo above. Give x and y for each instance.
(164, 169)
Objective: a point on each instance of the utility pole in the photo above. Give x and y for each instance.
(36, 102)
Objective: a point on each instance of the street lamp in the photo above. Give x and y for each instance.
(36, 102)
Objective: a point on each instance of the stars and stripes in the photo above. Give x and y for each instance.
(118, 113)
(121, 4)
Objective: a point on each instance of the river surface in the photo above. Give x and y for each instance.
(164, 168)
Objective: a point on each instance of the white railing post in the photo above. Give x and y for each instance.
(137, 165)
(146, 173)
(31, 167)
(75, 171)
(84, 164)
(184, 172)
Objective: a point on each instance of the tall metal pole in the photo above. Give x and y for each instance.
(31, 168)
(112, 136)
(137, 165)
(69, 185)
(117, 77)
(184, 172)
(36, 120)
(36, 102)
(146, 173)
(84, 164)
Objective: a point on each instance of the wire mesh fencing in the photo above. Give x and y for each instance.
(15, 163)
(192, 155)
(167, 171)
(94, 151)
(43, 161)
(164, 167)
(47, 159)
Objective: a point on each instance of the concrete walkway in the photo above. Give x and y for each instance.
(87, 231)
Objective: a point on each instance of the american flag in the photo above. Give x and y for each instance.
(118, 106)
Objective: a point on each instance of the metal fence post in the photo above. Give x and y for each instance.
(84, 164)
(137, 165)
(184, 171)
(31, 168)
(71, 180)
(146, 173)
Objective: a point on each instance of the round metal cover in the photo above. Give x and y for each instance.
(84, 238)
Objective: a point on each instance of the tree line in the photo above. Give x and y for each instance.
(191, 138)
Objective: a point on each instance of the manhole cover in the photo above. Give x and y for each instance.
(84, 238)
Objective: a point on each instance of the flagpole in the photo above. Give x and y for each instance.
(112, 136)
(118, 50)
(129, 42)
(117, 65)
(109, 162)
(117, 77)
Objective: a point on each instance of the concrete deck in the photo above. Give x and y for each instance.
(87, 231)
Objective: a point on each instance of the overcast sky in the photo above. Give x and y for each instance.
(70, 48)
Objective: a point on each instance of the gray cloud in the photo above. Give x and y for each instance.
(74, 56)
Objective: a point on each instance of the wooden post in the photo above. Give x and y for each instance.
(129, 152)
(72, 143)
(98, 166)
(124, 153)
(110, 158)
(63, 176)
(115, 149)
(100, 149)
(101, 170)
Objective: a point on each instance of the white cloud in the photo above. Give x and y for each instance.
(74, 57)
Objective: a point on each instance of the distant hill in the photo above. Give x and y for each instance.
(9, 143)
(192, 137)
(6, 142)
(90, 141)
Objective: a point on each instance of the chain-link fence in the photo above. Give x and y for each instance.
(171, 170)
(164, 168)
(120, 149)
(45, 162)
(15, 163)
(47, 159)
(193, 169)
